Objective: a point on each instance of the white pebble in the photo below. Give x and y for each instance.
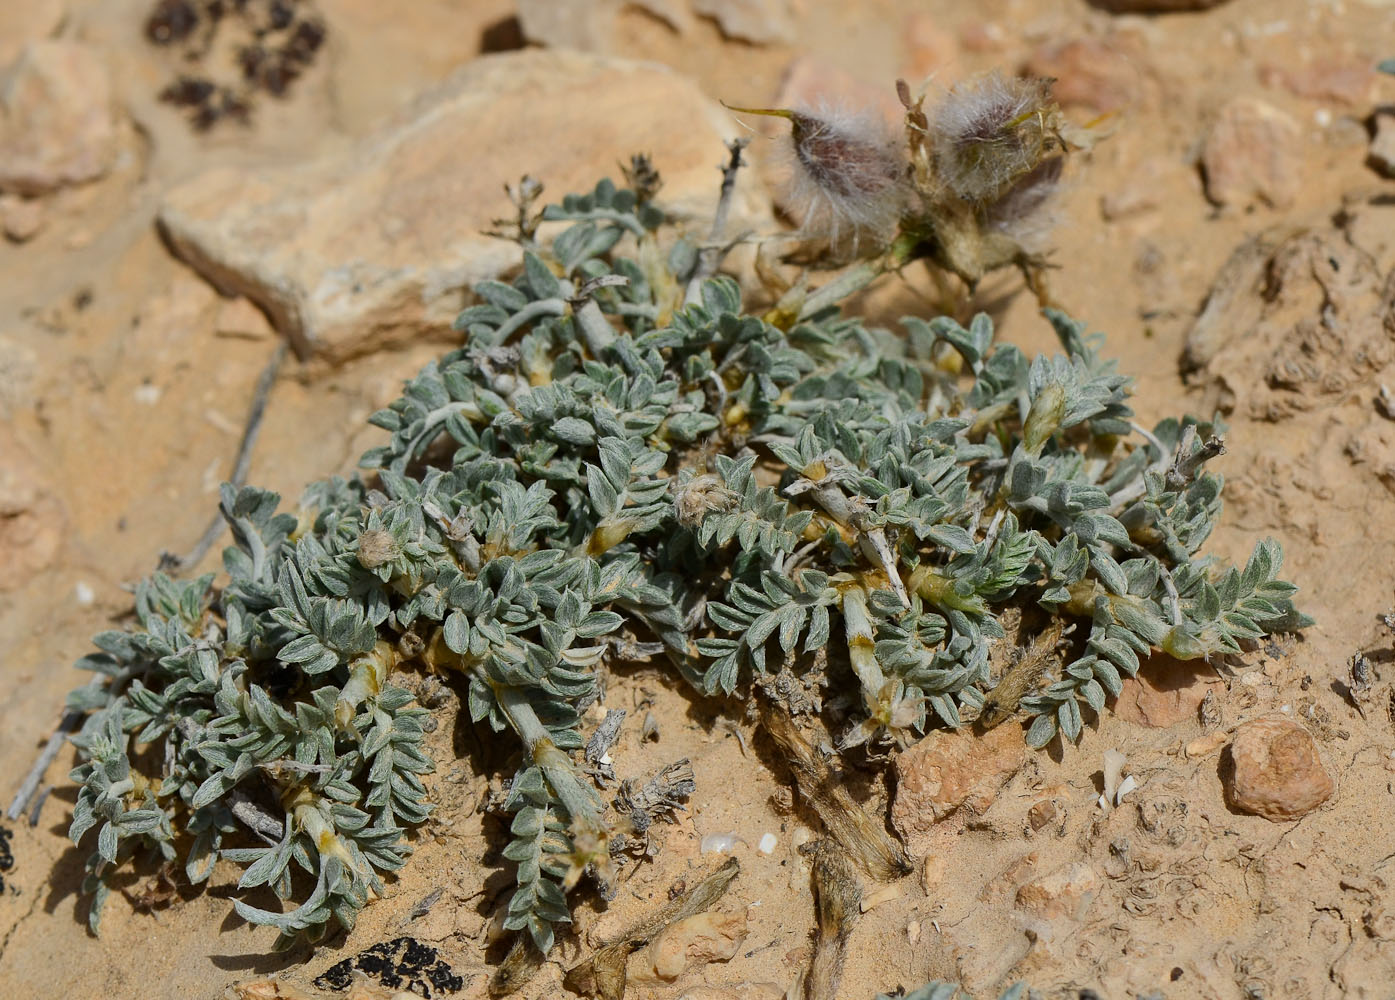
(767, 843)
(147, 393)
(720, 843)
(84, 594)
(1125, 786)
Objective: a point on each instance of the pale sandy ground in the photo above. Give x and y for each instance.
(128, 403)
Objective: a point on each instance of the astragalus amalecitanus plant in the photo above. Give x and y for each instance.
(625, 453)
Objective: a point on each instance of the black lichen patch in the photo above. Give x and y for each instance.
(402, 964)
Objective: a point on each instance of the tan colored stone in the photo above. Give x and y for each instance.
(21, 218)
(381, 55)
(18, 366)
(1154, 6)
(31, 519)
(1166, 692)
(56, 122)
(591, 26)
(1089, 72)
(561, 24)
(689, 943)
(1065, 892)
(1381, 154)
(933, 869)
(1330, 80)
(1251, 154)
(25, 21)
(737, 991)
(947, 770)
(1274, 770)
(1005, 883)
(377, 247)
(1041, 813)
(762, 22)
(1208, 744)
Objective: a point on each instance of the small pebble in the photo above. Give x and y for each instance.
(720, 843)
(1274, 770)
(885, 894)
(84, 594)
(767, 843)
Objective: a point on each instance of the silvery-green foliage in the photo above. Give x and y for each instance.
(606, 451)
(220, 720)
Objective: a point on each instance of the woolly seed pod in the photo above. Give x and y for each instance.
(989, 131)
(848, 175)
(1025, 212)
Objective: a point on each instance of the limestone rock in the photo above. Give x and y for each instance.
(1251, 153)
(692, 942)
(1089, 72)
(738, 991)
(1332, 80)
(761, 22)
(1166, 692)
(1042, 812)
(56, 121)
(25, 21)
(20, 218)
(561, 24)
(31, 519)
(1381, 154)
(947, 770)
(1154, 6)
(1065, 892)
(380, 245)
(18, 365)
(1274, 770)
(591, 26)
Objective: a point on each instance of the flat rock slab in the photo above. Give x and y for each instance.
(379, 246)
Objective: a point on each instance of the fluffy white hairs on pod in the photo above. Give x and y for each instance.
(989, 131)
(847, 173)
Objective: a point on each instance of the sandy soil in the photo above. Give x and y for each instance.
(127, 403)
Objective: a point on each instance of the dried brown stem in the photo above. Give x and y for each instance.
(603, 974)
(860, 834)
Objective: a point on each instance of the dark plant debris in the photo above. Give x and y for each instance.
(240, 48)
(401, 964)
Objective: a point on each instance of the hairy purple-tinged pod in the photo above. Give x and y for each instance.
(989, 131)
(1025, 211)
(848, 174)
